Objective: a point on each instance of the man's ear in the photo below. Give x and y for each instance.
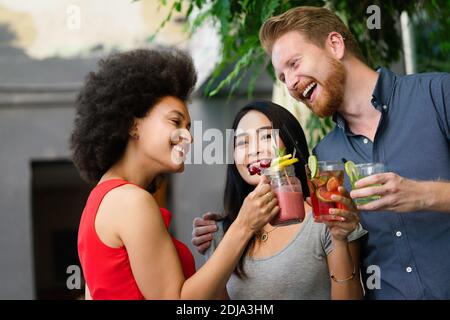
(335, 44)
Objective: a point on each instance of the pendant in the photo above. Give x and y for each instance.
(264, 237)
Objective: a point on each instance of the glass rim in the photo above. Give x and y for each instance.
(330, 162)
(290, 171)
(370, 164)
(330, 165)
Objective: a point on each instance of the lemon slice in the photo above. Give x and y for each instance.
(276, 161)
(285, 163)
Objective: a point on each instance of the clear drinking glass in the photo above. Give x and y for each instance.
(364, 170)
(330, 175)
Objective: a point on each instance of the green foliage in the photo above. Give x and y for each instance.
(432, 42)
(239, 21)
(318, 128)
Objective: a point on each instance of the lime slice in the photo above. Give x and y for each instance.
(352, 172)
(325, 196)
(313, 166)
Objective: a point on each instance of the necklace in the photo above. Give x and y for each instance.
(264, 235)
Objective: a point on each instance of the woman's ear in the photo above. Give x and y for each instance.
(133, 132)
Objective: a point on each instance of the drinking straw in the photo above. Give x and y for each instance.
(289, 180)
(294, 142)
(274, 140)
(295, 149)
(287, 177)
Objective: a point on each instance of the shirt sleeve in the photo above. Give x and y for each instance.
(355, 235)
(440, 92)
(218, 235)
(359, 232)
(327, 242)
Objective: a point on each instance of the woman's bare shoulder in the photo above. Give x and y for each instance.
(129, 201)
(129, 195)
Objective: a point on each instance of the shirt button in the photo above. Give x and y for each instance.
(398, 234)
(409, 269)
(366, 141)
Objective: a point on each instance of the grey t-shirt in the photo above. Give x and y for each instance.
(297, 272)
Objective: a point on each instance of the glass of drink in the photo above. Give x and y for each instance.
(328, 177)
(356, 172)
(288, 190)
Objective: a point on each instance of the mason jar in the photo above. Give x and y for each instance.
(288, 190)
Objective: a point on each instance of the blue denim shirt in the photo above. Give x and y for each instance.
(411, 250)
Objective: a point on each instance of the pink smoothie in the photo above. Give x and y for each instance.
(292, 208)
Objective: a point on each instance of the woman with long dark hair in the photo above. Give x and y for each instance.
(131, 126)
(298, 261)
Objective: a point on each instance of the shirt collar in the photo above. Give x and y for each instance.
(339, 120)
(383, 89)
(380, 96)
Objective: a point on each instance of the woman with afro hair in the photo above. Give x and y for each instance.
(131, 126)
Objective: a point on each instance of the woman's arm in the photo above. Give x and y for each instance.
(343, 260)
(224, 295)
(343, 264)
(154, 260)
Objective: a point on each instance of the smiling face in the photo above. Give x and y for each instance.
(164, 136)
(253, 143)
(311, 74)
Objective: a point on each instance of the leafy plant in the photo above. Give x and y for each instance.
(239, 21)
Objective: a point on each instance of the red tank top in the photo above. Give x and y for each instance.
(107, 270)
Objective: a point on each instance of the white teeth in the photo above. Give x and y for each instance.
(306, 91)
(179, 148)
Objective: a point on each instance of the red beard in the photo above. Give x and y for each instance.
(332, 93)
